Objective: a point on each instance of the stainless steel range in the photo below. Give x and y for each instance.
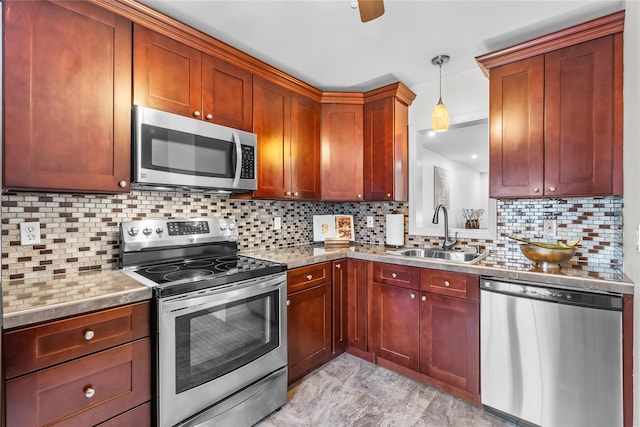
(220, 338)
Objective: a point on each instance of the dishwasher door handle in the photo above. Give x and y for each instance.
(543, 292)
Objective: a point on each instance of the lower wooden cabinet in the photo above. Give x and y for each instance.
(308, 319)
(357, 308)
(85, 391)
(450, 341)
(417, 327)
(394, 324)
(140, 416)
(339, 306)
(79, 371)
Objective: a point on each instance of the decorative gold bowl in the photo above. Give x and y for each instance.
(541, 255)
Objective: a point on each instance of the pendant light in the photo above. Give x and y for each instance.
(440, 116)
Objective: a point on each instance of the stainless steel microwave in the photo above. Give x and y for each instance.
(177, 153)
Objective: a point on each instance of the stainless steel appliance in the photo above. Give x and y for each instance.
(551, 357)
(174, 152)
(221, 338)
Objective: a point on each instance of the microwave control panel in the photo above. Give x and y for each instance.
(248, 162)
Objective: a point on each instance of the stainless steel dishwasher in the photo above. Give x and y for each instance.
(549, 356)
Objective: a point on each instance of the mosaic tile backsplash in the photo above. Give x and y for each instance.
(80, 232)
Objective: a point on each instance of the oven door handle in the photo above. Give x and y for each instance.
(218, 296)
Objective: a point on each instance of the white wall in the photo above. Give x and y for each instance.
(631, 211)
(465, 94)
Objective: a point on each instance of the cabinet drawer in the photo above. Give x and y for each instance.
(45, 345)
(82, 392)
(453, 284)
(396, 275)
(306, 277)
(139, 416)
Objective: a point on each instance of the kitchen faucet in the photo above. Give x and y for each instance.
(447, 244)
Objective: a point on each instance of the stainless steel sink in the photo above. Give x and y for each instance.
(441, 254)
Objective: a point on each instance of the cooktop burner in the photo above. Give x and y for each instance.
(201, 268)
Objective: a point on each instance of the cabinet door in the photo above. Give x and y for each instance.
(516, 139)
(378, 149)
(305, 148)
(394, 324)
(309, 330)
(386, 150)
(166, 74)
(227, 94)
(450, 340)
(342, 152)
(580, 143)
(272, 124)
(67, 97)
(357, 304)
(339, 305)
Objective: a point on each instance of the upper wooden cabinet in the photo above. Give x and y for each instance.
(386, 143)
(342, 150)
(67, 97)
(288, 129)
(556, 113)
(171, 76)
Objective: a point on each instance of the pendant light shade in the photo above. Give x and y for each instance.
(440, 115)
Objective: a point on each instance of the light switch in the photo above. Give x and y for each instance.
(369, 221)
(277, 223)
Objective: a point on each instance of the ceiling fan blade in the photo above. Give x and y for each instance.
(370, 9)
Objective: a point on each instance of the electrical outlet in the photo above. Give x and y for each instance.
(30, 233)
(277, 223)
(369, 221)
(638, 238)
(549, 228)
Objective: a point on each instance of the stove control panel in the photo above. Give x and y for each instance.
(158, 233)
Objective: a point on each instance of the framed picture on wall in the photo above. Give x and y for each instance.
(440, 187)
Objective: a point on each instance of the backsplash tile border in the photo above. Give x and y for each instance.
(80, 232)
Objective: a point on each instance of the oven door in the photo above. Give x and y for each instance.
(213, 343)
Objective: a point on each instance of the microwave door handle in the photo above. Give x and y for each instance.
(236, 141)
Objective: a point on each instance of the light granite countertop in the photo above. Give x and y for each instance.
(30, 301)
(605, 278)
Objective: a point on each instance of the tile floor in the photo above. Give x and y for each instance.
(349, 391)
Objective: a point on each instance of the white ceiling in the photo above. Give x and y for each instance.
(324, 43)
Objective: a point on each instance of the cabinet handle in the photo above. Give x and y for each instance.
(309, 276)
(413, 296)
(394, 275)
(88, 335)
(287, 193)
(288, 303)
(446, 283)
(338, 266)
(536, 190)
(295, 194)
(423, 298)
(388, 195)
(552, 188)
(359, 196)
(196, 114)
(209, 116)
(89, 392)
(122, 184)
